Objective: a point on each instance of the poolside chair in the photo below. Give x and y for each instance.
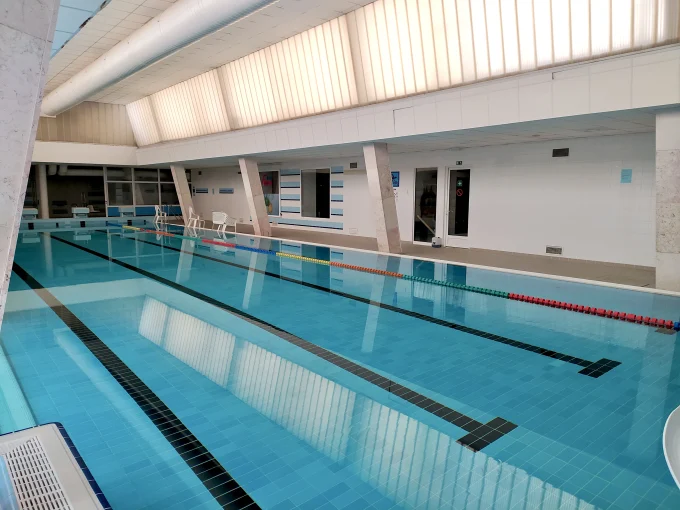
(671, 444)
(222, 220)
(195, 220)
(161, 216)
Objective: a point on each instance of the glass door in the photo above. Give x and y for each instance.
(459, 207)
(425, 207)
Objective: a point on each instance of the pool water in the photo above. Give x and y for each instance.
(198, 376)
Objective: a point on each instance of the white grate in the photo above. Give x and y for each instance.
(33, 477)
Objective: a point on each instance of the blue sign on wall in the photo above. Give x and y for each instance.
(395, 179)
(626, 175)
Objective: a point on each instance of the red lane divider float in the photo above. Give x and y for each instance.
(601, 312)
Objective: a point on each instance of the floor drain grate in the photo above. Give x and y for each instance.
(35, 482)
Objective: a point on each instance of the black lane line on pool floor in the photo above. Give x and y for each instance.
(590, 368)
(226, 491)
(479, 434)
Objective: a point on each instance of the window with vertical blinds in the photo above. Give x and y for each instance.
(394, 48)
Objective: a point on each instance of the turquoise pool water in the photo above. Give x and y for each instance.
(197, 376)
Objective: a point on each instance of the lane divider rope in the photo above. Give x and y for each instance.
(600, 312)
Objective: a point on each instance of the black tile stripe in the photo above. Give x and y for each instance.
(226, 491)
(593, 369)
(477, 430)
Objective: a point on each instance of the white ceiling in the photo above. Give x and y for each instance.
(120, 18)
(615, 123)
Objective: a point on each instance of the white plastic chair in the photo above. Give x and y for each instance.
(161, 216)
(671, 444)
(195, 220)
(221, 221)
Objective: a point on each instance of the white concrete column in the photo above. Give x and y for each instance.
(382, 194)
(668, 200)
(179, 177)
(255, 196)
(44, 203)
(26, 31)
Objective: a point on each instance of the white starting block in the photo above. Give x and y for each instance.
(29, 213)
(127, 211)
(80, 212)
(40, 468)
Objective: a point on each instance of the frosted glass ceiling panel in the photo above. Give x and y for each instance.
(394, 48)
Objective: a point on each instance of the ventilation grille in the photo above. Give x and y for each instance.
(560, 153)
(553, 250)
(35, 482)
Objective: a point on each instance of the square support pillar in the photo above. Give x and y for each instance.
(258, 210)
(668, 200)
(186, 202)
(26, 33)
(382, 196)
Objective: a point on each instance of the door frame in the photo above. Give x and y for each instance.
(450, 240)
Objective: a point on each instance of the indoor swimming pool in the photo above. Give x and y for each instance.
(193, 375)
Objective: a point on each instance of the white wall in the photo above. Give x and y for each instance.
(234, 205)
(521, 198)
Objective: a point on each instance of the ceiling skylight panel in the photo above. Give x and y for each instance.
(429, 54)
(645, 25)
(345, 59)
(440, 42)
(453, 45)
(293, 71)
(416, 45)
(667, 20)
(622, 25)
(510, 35)
(406, 58)
(527, 34)
(466, 40)
(252, 85)
(318, 74)
(301, 70)
(600, 27)
(580, 29)
(374, 49)
(280, 81)
(337, 79)
(561, 28)
(266, 88)
(495, 38)
(543, 31)
(394, 46)
(384, 48)
(308, 75)
(479, 35)
(356, 28)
